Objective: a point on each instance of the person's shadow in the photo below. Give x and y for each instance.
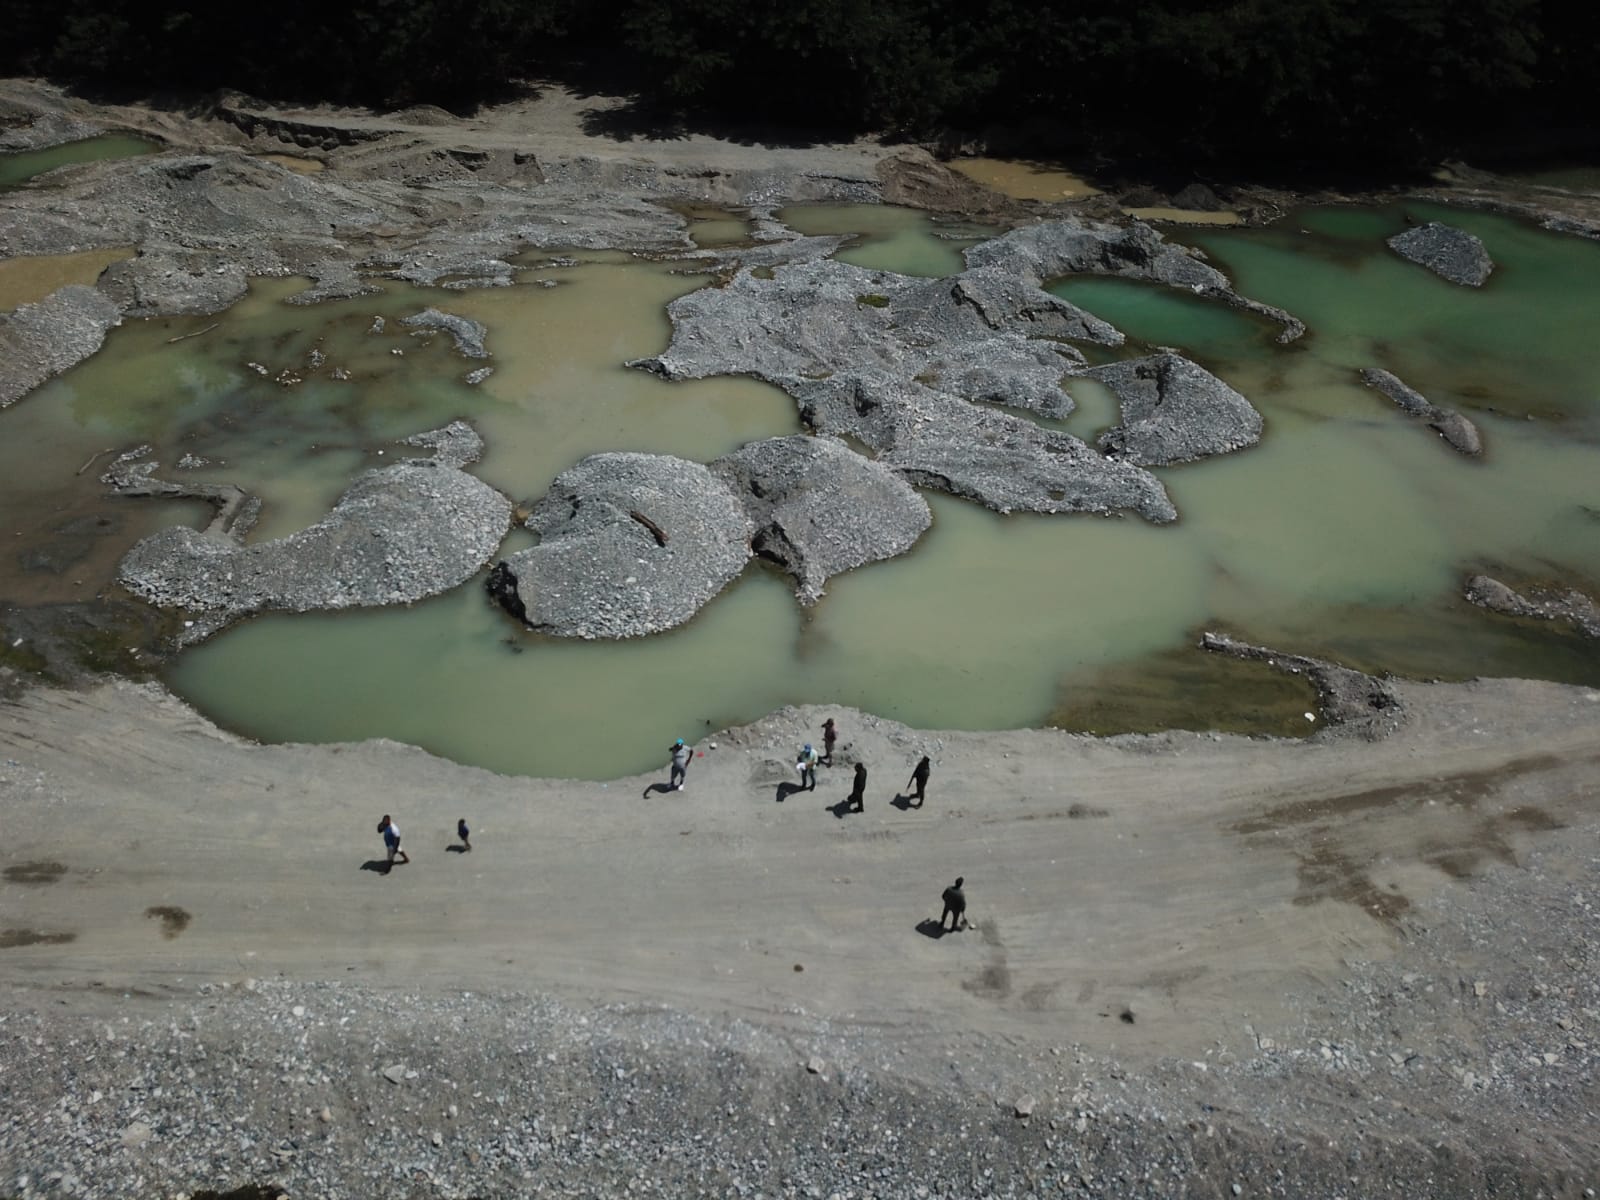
(787, 789)
(842, 809)
(929, 928)
(378, 865)
(456, 848)
(905, 803)
(656, 789)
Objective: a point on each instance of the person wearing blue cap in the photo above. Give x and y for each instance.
(807, 766)
(681, 754)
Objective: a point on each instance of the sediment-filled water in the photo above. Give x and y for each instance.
(1347, 532)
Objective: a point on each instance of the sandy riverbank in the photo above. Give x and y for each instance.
(1143, 901)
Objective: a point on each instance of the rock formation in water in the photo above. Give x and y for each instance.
(896, 363)
(468, 334)
(1460, 434)
(629, 544)
(1448, 252)
(396, 535)
(1174, 411)
(1351, 701)
(132, 474)
(1053, 249)
(455, 445)
(819, 508)
(39, 340)
(632, 544)
(1544, 603)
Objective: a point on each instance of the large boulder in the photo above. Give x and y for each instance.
(630, 544)
(1448, 252)
(819, 508)
(1174, 411)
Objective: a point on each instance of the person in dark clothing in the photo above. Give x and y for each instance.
(920, 778)
(858, 793)
(955, 906)
(830, 735)
(464, 834)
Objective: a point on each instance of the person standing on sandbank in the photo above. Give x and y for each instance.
(955, 906)
(919, 776)
(830, 735)
(806, 764)
(681, 754)
(858, 793)
(391, 839)
(465, 835)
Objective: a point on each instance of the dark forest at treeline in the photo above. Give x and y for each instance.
(1193, 82)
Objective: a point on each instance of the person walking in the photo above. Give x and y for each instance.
(391, 839)
(465, 835)
(858, 793)
(955, 906)
(806, 764)
(830, 735)
(681, 754)
(919, 776)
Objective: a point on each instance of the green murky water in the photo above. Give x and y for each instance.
(903, 240)
(19, 168)
(1347, 532)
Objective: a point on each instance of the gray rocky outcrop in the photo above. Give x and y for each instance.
(629, 544)
(1543, 603)
(396, 535)
(1174, 411)
(1448, 252)
(1460, 434)
(1003, 462)
(896, 363)
(469, 335)
(819, 508)
(43, 339)
(981, 338)
(1352, 702)
(1053, 249)
(632, 544)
